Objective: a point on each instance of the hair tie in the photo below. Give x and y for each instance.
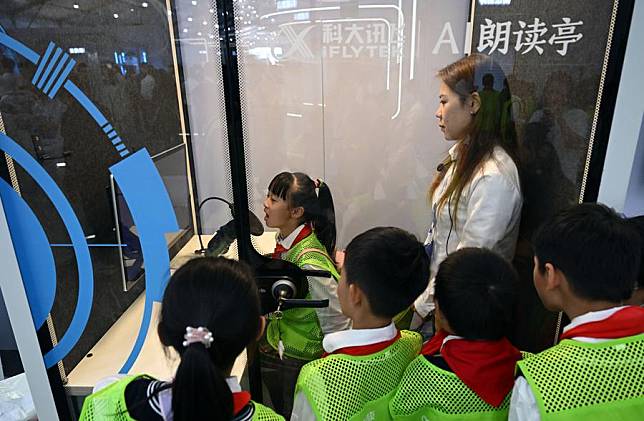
(200, 334)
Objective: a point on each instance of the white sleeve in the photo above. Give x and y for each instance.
(106, 381)
(424, 304)
(492, 206)
(523, 404)
(331, 318)
(302, 410)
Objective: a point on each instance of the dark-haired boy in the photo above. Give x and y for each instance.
(384, 270)
(466, 371)
(586, 263)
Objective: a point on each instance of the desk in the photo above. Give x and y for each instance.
(108, 355)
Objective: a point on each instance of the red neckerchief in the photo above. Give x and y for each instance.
(279, 249)
(361, 350)
(625, 322)
(486, 367)
(240, 401)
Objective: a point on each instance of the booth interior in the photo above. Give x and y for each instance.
(345, 91)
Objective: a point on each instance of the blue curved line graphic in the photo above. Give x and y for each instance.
(35, 257)
(151, 209)
(81, 251)
(19, 47)
(33, 57)
(86, 103)
(147, 199)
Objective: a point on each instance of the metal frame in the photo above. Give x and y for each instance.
(232, 95)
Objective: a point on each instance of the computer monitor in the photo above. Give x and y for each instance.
(171, 165)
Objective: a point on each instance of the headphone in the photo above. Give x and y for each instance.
(443, 166)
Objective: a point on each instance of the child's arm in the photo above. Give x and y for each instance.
(331, 318)
(302, 410)
(523, 404)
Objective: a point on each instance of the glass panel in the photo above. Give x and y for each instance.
(119, 56)
(345, 91)
(554, 57)
(198, 38)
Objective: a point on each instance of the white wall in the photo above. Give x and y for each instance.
(622, 183)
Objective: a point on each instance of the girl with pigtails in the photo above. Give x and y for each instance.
(303, 212)
(209, 314)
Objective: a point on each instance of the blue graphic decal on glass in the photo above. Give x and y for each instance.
(83, 260)
(142, 188)
(153, 215)
(34, 255)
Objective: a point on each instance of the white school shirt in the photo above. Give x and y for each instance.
(331, 318)
(488, 215)
(302, 410)
(523, 404)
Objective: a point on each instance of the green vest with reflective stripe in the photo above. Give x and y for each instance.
(429, 392)
(109, 404)
(589, 381)
(299, 328)
(340, 387)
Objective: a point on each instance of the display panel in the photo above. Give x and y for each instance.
(87, 91)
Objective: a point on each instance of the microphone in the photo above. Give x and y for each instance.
(444, 165)
(226, 234)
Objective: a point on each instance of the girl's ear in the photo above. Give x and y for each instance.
(297, 213)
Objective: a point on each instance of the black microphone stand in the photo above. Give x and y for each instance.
(202, 249)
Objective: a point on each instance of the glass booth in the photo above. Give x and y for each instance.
(119, 119)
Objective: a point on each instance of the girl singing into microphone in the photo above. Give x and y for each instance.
(302, 210)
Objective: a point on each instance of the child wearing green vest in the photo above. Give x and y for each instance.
(466, 371)
(209, 314)
(302, 210)
(384, 270)
(586, 262)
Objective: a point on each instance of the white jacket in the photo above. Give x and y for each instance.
(488, 215)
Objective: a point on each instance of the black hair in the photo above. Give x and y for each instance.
(638, 224)
(390, 266)
(475, 290)
(298, 189)
(220, 295)
(598, 251)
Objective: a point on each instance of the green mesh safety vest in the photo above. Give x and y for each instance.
(299, 328)
(339, 387)
(589, 381)
(427, 392)
(109, 404)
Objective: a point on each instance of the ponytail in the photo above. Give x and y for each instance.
(199, 389)
(324, 221)
(220, 297)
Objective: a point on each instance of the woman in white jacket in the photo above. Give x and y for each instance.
(476, 194)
